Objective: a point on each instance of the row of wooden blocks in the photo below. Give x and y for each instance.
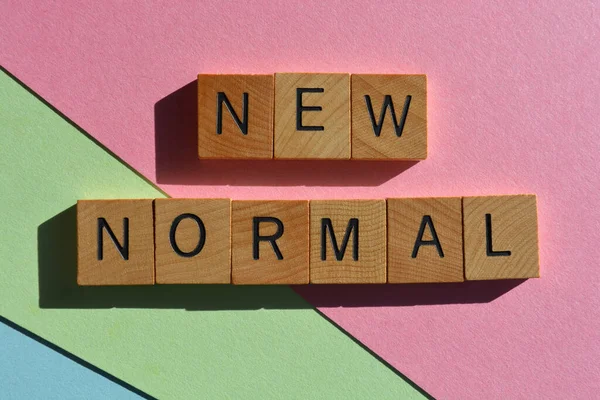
(312, 116)
(143, 242)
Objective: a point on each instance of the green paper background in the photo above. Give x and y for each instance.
(169, 341)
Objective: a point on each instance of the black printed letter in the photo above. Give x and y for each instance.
(123, 250)
(256, 237)
(300, 108)
(243, 125)
(339, 253)
(387, 102)
(488, 240)
(426, 221)
(201, 238)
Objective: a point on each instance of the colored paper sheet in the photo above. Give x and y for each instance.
(168, 341)
(30, 370)
(513, 107)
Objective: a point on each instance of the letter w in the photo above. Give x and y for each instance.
(387, 102)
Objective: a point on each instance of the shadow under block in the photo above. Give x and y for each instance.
(235, 116)
(348, 241)
(115, 242)
(193, 240)
(389, 117)
(425, 240)
(312, 116)
(269, 242)
(501, 237)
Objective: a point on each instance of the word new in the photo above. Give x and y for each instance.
(143, 242)
(312, 116)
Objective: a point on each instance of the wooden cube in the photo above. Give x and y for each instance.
(501, 237)
(389, 117)
(269, 242)
(347, 241)
(425, 240)
(193, 240)
(312, 116)
(235, 116)
(115, 242)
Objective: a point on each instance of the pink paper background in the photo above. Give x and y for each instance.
(514, 101)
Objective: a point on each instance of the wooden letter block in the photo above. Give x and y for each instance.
(389, 117)
(501, 240)
(269, 242)
(347, 241)
(235, 116)
(115, 242)
(312, 116)
(425, 240)
(193, 240)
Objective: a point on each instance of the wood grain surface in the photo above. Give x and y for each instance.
(440, 259)
(370, 265)
(407, 93)
(113, 269)
(333, 141)
(292, 268)
(209, 235)
(512, 223)
(257, 143)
